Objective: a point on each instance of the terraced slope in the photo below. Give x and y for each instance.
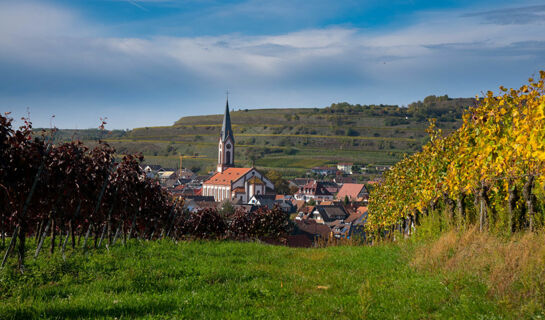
(294, 140)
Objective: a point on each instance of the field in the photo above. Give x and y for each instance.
(234, 280)
(366, 135)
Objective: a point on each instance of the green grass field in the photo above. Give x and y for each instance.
(233, 280)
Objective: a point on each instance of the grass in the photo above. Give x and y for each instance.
(234, 280)
(512, 268)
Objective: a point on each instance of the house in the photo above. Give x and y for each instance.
(340, 180)
(312, 228)
(151, 170)
(327, 203)
(299, 182)
(357, 228)
(197, 203)
(284, 197)
(186, 174)
(328, 214)
(324, 171)
(340, 229)
(177, 190)
(166, 175)
(263, 200)
(345, 167)
(331, 186)
(382, 168)
(353, 191)
(230, 183)
(304, 213)
(354, 216)
(300, 204)
(285, 205)
(198, 181)
(315, 190)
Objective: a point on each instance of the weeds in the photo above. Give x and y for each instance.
(513, 270)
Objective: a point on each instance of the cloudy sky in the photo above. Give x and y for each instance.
(150, 62)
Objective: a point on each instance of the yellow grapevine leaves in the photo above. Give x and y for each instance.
(501, 140)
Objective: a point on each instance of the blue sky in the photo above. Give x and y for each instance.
(150, 62)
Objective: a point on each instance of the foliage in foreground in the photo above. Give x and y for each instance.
(490, 172)
(238, 280)
(64, 192)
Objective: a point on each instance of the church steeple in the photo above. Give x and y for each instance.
(226, 130)
(226, 147)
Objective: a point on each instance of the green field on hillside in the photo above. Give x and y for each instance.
(234, 280)
(367, 135)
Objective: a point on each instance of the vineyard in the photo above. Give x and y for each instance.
(489, 173)
(68, 195)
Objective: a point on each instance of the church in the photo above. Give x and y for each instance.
(230, 183)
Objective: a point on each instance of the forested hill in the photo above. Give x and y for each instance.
(293, 139)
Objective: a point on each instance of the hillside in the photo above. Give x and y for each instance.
(294, 140)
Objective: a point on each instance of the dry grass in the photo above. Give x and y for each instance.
(513, 270)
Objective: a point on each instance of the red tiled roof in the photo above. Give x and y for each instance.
(316, 188)
(362, 209)
(228, 176)
(239, 190)
(307, 209)
(351, 190)
(354, 216)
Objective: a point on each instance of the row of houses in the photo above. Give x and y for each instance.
(345, 168)
(330, 221)
(319, 191)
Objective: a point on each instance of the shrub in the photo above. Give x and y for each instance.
(259, 224)
(351, 132)
(204, 224)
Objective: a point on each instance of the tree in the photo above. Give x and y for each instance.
(281, 186)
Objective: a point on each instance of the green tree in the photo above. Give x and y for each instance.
(280, 184)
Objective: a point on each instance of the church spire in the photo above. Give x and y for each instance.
(226, 130)
(226, 147)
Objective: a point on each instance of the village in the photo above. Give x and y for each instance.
(326, 204)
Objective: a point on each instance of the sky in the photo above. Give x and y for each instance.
(68, 63)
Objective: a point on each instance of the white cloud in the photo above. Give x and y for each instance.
(52, 52)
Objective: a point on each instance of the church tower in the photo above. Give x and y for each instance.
(226, 147)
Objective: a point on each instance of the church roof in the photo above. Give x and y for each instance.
(226, 130)
(228, 176)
